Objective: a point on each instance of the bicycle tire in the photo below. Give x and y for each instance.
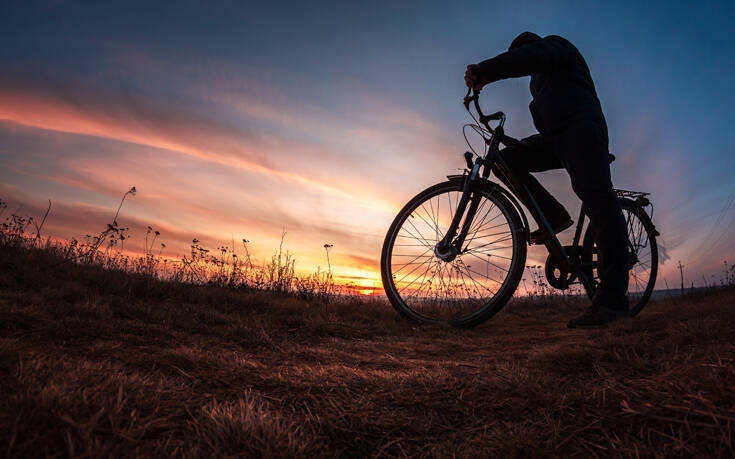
(489, 307)
(639, 297)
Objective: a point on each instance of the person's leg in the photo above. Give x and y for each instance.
(538, 157)
(584, 152)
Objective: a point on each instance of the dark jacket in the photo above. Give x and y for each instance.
(561, 85)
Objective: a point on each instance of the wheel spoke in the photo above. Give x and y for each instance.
(424, 242)
(428, 242)
(413, 261)
(422, 276)
(434, 223)
(493, 242)
(468, 271)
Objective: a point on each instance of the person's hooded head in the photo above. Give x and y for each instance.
(523, 39)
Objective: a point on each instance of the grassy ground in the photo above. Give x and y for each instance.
(98, 363)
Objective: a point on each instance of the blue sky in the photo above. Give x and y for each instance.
(235, 118)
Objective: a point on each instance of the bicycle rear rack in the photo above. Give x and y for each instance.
(638, 196)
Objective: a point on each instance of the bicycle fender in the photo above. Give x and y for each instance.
(492, 187)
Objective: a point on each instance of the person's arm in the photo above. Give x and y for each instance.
(545, 55)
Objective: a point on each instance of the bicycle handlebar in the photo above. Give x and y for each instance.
(473, 96)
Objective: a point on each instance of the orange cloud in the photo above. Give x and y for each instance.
(135, 120)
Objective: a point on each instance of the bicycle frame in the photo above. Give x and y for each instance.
(453, 241)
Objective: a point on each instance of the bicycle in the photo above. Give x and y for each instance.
(456, 252)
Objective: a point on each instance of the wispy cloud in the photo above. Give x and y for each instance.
(163, 124)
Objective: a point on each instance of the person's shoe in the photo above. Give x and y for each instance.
(539, 236)
(597, 317)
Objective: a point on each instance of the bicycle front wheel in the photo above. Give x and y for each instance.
(468, 289)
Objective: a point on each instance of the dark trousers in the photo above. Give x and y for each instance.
(581, 149)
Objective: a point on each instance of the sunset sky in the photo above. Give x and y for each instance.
(237, 120)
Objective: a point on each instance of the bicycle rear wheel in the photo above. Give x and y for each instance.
(642, 256)
(464, 291)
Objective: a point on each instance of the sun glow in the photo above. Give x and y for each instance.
(367, 285)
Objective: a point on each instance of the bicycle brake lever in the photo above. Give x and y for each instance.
(467, 99)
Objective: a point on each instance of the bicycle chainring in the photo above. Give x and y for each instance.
(558, 276)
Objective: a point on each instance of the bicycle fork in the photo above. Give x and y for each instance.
(448, 248)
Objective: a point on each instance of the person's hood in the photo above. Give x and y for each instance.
(523, 39)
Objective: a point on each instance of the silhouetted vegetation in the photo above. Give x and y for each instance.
(221, 267)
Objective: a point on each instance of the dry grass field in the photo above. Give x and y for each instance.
(97, 362)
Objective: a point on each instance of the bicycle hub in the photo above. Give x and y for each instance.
(446, 252)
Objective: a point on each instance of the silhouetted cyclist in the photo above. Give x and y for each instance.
(572, 135)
